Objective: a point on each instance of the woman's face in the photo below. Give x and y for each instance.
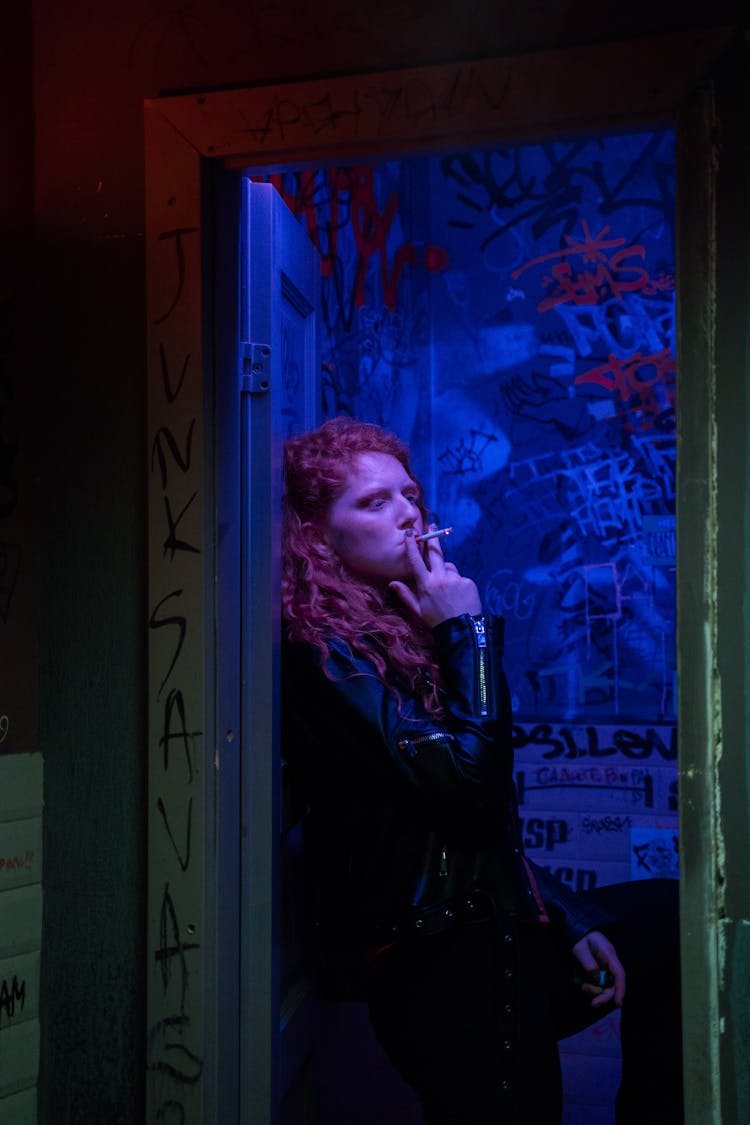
(365, 525)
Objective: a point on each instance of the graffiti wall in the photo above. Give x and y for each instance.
(511, 314)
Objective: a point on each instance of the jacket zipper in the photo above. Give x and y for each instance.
(480, 635)
(443, 863)
(409, 744)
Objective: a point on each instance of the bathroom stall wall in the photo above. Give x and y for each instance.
(510, 313)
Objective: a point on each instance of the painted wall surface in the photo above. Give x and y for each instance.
(511, 313)
(21, 774)
(19, 417)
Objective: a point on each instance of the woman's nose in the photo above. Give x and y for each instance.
(408, 514)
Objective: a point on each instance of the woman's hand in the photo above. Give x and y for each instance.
(595, 952)
(436, 590)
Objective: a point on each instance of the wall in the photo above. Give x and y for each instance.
(19, 420)
(733, 417)
(713, 542)
(20, 761)
(511, 313)
(93, 65)
(20, 934)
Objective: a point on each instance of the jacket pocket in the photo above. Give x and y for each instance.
(429, 759)
(417, 742)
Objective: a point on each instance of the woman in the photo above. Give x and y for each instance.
(398, 722)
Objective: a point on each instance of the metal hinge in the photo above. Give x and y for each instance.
(255, 360)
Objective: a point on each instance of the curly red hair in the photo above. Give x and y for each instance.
(320, 598)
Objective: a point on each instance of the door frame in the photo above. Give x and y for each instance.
(193, 142)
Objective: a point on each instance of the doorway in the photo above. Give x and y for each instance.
(450, 106)
(510, 313)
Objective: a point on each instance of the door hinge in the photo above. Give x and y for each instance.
(255, 362)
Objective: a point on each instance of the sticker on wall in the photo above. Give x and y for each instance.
(654, 853)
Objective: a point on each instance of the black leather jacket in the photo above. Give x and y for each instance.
(413, 821)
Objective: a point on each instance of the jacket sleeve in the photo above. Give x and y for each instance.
(572, 913)
(462, 761)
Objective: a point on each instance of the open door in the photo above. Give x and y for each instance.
(264, 306)
(279, 277)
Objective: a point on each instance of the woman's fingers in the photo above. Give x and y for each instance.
(414, 553)
(603, 968)
(434, 550)
(430, 553)
(407, 596)
(436, 591)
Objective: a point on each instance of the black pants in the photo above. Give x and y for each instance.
(471, 1018)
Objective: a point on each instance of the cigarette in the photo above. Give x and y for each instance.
(434, 534)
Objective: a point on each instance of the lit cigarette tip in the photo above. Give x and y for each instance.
(434, 534)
